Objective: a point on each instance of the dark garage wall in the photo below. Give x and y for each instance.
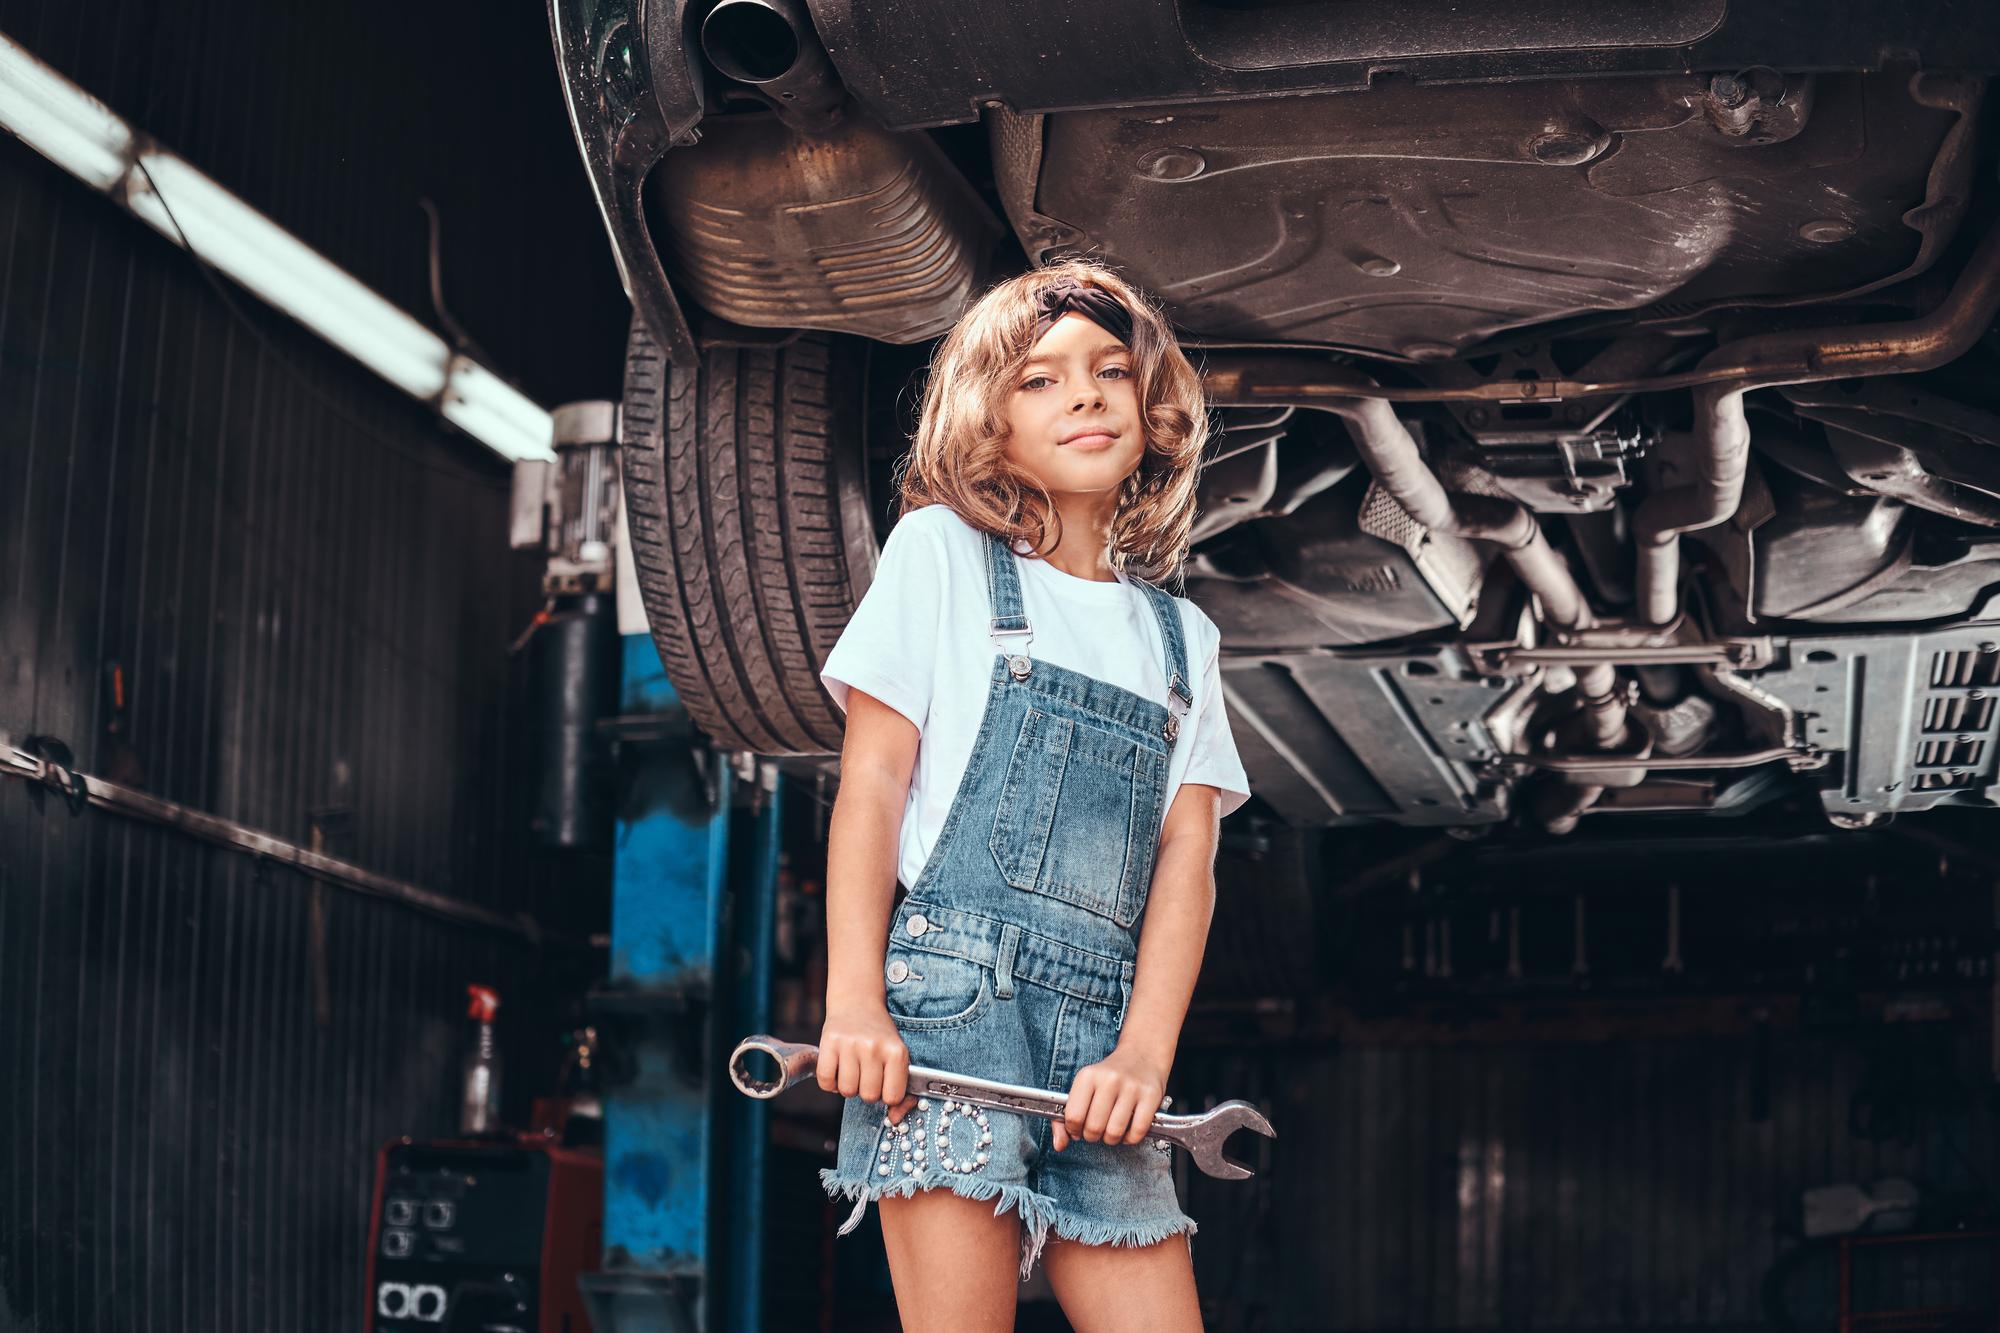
(1633, 1183)
(307, 585)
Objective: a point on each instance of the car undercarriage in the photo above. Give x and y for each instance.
(1605, 402)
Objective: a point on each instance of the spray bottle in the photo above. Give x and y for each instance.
(479, 1108)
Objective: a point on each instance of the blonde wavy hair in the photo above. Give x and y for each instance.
(959, 456)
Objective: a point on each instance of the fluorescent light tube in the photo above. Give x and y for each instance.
(85, 138)
(289, 274)
(61, 121)
(488, 408)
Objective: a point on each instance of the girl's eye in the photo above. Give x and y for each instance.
(1030, 384)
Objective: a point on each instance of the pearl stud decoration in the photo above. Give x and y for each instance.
(964, 1163)
(899, 1136)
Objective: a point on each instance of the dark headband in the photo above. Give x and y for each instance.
(1067, 296)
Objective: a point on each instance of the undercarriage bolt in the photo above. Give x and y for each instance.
(1727, 89)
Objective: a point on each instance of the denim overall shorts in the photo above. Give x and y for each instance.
(1013, 954)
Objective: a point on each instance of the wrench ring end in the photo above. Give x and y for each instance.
(796, 1061)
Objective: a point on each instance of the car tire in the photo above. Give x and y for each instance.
(746, 499)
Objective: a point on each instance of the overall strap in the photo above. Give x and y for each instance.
(1010, 620)
(1179, 697)
(1003, 592)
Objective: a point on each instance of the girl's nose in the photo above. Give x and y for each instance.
(1089, 396)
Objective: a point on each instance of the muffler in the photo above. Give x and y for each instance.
(856, 230)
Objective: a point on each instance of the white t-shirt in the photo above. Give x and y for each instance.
(919, 643)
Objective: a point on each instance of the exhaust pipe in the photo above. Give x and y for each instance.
(772, 46)
(1721, 464)
(1390, 452)
(1721, 380)
(1797, 357)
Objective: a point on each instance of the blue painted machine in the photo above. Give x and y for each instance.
(692, 923)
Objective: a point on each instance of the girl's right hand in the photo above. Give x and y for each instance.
(861, 1054)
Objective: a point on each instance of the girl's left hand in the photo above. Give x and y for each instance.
(1112, 1101)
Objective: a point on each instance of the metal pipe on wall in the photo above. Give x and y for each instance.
(82, 788)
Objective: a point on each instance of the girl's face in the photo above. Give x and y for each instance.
(1073, 411)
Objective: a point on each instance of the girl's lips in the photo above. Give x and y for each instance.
(1096, 440)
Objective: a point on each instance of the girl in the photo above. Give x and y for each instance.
(1037, 750)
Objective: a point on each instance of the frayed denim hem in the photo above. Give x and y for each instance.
(1037, 1210)
(1122, 1233)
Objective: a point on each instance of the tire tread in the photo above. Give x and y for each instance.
(733, 511)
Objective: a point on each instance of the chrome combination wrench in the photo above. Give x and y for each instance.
(1202, 1135)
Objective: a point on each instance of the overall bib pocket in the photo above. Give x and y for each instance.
(1079, 816)
(928, 991)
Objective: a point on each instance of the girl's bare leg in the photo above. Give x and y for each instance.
(1124, 1288)
(955, 1263)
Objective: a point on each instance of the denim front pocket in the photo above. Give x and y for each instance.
(935, 990)
(1079, 815)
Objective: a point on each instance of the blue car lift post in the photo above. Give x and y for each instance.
(692, 922)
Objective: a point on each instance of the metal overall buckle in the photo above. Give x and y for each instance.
(1178, 703)
(1018, 663)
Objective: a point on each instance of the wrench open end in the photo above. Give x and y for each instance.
(1217, 1124)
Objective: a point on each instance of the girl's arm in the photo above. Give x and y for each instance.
(1114, 1100)
(861, 1054)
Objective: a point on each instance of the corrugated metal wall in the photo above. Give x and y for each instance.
(1629, 1184)
(307, 586)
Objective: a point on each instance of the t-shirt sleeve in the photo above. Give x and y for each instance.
(1214, 760)
(889, 648)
